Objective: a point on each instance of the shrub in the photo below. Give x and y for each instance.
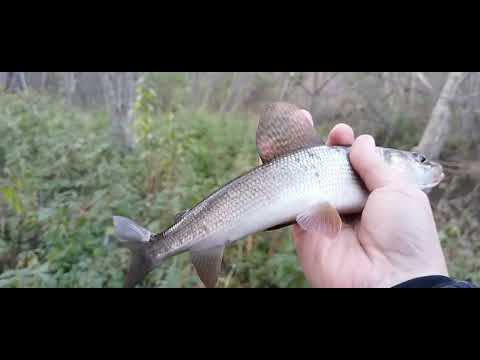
(62, 182)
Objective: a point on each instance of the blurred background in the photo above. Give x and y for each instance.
(79, 147)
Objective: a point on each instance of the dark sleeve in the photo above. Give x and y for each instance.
(438, 282)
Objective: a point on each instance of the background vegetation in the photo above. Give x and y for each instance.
(63, 176)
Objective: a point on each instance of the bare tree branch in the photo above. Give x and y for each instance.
(325, 84)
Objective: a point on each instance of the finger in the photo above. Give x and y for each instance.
(341, 135)
(368, 163)
(306, 245)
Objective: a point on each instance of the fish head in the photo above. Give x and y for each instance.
(416, 167)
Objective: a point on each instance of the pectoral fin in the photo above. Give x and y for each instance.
(323, 218)
(208, 263)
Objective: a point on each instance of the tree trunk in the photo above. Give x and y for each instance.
(43, 80)
(412, 90)
(395, 96)
(439, 126)
(215, 79)
(3, 80)
(313, 96)
(16, 82)
(242, 90)
(195, 81)
(230, 93)
(69, 86)
(119, 89)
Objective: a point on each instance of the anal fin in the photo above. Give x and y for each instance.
(208, 263)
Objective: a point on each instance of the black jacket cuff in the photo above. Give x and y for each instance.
(433, 282)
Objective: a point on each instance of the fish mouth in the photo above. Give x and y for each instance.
(442, 177)
(430, 186)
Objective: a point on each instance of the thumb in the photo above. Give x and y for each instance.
(308, 246)
(368, 163)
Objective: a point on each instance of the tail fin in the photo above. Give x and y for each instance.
(135, 238)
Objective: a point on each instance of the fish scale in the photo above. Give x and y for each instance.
(321, 173)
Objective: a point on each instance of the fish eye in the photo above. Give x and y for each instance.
(420, 157)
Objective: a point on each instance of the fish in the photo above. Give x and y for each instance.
(300, 181)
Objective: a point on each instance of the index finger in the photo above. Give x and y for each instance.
(341, 135)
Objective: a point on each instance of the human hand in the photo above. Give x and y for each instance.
(394, 241)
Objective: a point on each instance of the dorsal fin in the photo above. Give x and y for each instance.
(181, 215)
(282, 129)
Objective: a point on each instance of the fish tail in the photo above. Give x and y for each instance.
(136, 239)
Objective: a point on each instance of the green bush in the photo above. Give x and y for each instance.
(62, 181)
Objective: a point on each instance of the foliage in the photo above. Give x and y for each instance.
(166, 90)
(403, 133)
(61, 181)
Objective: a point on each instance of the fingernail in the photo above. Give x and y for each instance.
(369, 140)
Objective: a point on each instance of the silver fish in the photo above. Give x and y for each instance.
(300, 181)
